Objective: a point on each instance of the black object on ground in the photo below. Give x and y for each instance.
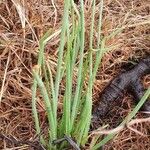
(69, 140)
(127, 81)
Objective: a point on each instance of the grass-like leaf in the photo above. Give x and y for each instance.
(127, 119)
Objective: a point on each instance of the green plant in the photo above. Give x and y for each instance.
(73, 61)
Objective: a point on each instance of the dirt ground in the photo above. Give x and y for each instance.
(18, 55)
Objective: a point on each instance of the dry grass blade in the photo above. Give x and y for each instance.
(4, 78)
(102, 131)
(21, 11)
(137, 121)
(55, 11)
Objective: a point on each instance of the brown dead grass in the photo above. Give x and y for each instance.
(18, 54)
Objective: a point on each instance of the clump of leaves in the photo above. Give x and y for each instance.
(72, 59)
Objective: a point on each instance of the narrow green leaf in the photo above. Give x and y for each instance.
(128, 118)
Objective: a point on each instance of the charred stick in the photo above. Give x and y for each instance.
(69, 140)
(129, 81)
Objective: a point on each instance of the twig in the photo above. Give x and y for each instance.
(69, 140)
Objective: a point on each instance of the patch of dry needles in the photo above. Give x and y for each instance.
(23, 22)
